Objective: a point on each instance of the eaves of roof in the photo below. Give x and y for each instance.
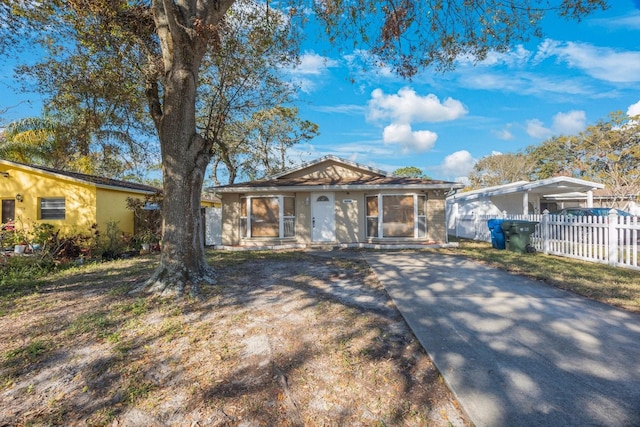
(555, 185)
(377, 183)
(100, 182)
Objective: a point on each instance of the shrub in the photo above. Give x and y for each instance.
(17, 268)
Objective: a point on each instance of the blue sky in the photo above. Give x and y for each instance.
(442, 123)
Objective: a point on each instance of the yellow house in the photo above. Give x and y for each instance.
(70, 201)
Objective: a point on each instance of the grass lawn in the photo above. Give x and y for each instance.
(283, 339)
(611, 285)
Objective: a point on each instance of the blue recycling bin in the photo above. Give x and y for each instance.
(497, 235)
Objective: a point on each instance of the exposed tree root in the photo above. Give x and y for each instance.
(292, 407)
(177, 282)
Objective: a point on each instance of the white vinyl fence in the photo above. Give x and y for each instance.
(610, 240)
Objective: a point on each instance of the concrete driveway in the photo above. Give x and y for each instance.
(517, 352)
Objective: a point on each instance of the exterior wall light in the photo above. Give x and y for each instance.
(19, 197)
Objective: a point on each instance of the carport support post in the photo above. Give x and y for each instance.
(525, 202)
(613, 237)
(544, 227)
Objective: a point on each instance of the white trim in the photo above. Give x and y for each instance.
(552, 185)
(380, 217)
(281, 216)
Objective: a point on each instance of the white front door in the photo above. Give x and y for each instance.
(323, 217)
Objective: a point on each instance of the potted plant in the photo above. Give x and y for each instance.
(19, 241)
(146, 238)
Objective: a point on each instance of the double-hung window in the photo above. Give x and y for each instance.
(267, 216)
(52, 208)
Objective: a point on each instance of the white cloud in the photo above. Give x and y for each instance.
(546, 49)
(458, 164)
(517, 57)
(307, 72)
(536, 129)
(634, 109)
(630, 21)
(349, 109)
(602, 63)
(410, 140)
(513, 58)
(363, 64)
(503, 134)
(524, 83)
(313, 64)
(569, 123)
(407, 106)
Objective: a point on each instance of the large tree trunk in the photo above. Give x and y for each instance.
(185, 154)
(185, 157)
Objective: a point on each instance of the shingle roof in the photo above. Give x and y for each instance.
(309, 184)
(97, 180)
(312, 182)
(371, 179)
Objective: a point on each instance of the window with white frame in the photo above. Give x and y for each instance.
(396, 215)
(52, 208)
(267, 216)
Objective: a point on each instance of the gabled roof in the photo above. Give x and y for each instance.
(291, 180)
(548, 187)
(98, 181)
(328, 158)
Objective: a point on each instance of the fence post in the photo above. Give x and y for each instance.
(544, 227)
(613, 237)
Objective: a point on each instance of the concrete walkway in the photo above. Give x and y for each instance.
(514, 351)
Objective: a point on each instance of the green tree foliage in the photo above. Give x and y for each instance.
(44, 141)
(554, 157)
(272, 133)
(162, 47)
(607, 152)
(32, 141)
(499, 169)
(95, 107)
(243, 96)
(410, 172)
(413, 34)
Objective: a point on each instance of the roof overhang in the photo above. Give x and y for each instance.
(64, 177)
(552, 186)
(338, 187)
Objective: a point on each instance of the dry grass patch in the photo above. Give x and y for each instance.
(282, 339)
(612, 285)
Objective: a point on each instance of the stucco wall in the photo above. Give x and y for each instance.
(85, 204)
(231, 219)
(80, 200)
(303, 217)
(436, 218)
(350, 217)
(111, 205)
